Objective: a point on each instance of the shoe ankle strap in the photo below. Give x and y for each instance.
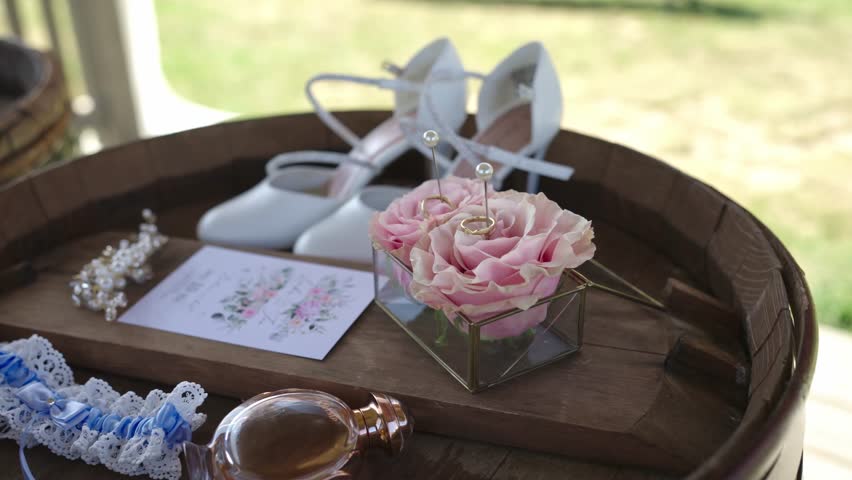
(283, 160)
(333, 122)
(473, 151)
(392, 68)
(413, 129)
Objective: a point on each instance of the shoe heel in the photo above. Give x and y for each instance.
(534, 179)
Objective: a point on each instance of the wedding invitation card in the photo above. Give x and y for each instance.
(258, 301)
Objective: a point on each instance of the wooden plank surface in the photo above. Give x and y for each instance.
(588, 406)
(727, 249)
(637, 191)
(427, 456)
(692, 214)
(23, 216)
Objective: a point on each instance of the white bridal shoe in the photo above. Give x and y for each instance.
(518, 114)
(292, 197)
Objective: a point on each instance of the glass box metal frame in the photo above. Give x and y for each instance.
(484, 352)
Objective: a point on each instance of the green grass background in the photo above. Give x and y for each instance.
(752, 96)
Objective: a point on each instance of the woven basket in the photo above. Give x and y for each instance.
(34, 110)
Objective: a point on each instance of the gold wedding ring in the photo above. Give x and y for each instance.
(488, 221)
(425, 213)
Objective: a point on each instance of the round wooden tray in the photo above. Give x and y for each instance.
(738, 342)
(34, 109)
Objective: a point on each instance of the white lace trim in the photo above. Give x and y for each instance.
(148, 455)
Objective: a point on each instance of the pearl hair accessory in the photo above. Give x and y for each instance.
(484, 171)
(100, 284)
(431, 140)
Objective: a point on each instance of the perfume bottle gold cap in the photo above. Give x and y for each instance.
(384, 423)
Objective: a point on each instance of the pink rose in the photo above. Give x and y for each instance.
(401, 225)
(517, 264)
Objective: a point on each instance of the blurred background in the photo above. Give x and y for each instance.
(752, 96)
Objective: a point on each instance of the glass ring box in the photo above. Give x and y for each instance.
(490, 351)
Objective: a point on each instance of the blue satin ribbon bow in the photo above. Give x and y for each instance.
(68, 414)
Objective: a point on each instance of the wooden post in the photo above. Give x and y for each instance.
(14, 18)
(702, 310)
(103, 53)
(728, 374)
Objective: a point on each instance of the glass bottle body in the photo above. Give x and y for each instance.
(295, 434)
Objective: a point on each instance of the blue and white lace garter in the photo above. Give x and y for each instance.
(41, 404)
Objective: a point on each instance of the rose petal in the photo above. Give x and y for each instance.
(517, 265)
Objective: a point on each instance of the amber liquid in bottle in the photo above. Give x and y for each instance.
(297, 434)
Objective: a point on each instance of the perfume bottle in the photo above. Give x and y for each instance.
(298, 434)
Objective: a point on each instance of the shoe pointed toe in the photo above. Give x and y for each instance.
(345, 234)
(264, 217)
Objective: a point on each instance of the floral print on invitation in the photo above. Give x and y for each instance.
(281, 305)
(250, 297)
(317, 307)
